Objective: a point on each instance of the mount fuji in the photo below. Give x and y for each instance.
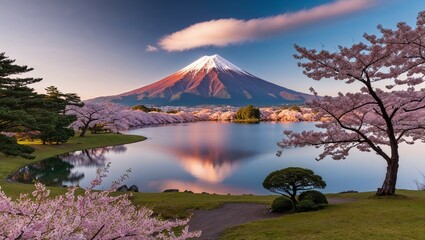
(210, 80)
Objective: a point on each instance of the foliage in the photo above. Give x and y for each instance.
(313, 195)
(295, 108)
(248, 113)
(173, 111)
(24, 110)
(282, 205)
(371, 119)
(9, 146)
(289, 181)
(146, 109)
(92, 215)
(99, 116)
(307, 205)
(52, 123)
(17, 102)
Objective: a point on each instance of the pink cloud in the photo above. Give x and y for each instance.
(222, 32)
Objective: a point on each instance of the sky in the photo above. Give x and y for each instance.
(107, 47)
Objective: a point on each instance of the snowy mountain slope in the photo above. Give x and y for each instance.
(210, 80)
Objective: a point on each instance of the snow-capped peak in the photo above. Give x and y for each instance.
(214, 61)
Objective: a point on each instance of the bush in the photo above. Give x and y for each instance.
(145, 109)
(315, 196)
(248, 113)
(289, 181)
(307, 205)
(282, 205)
(173, 111)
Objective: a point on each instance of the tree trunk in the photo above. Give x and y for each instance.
(83, 132)
(294, 201)
(388, 187)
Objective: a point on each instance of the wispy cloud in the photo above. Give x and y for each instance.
(222, 32)
(151, 48)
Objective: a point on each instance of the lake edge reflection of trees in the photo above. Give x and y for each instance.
(57, 171)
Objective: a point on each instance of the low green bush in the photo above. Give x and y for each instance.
(282, 205)
(313, 195)
(307, 205)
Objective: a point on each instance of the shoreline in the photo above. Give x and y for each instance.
(9, 165)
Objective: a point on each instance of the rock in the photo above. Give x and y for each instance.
(123, 188)
(349, 191)
(171, 190)
(204, 193)
(188, 191)
(133, 188)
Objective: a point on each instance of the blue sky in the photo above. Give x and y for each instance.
(97, 48)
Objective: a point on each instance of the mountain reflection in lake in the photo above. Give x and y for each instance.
(219, 157)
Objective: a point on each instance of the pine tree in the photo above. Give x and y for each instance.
(24, 110)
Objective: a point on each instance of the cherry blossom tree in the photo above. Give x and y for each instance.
(109, 116)
(374, 118)
(91, 215)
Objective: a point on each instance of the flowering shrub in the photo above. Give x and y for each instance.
(92, 215)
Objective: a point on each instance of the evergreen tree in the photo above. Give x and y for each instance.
(24, 110)
(52, 122)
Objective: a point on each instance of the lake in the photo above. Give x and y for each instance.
(220, 157)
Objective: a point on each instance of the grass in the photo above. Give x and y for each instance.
(399, 217)
(167, 205)
(8, 165)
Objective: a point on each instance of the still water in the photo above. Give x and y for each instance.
(219, 157)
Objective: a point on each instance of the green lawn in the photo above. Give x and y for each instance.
(401, 217)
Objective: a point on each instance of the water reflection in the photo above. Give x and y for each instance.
(220, 158)
(92, 157)
(209, 163)
(197, 186)
(52, 172)
(59, 170)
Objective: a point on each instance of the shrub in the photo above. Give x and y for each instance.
(248, 113)
(173, 111)
(295, 108)
(282, 205)
(145, 109)
(313, 195)
(307, 205)
(289, 181)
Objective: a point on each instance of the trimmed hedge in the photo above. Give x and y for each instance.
(313, 195)
(282, 205)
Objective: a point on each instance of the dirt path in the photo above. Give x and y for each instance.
(213, 222)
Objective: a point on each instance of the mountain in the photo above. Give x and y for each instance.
(210, 80)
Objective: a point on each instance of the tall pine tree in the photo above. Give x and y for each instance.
(24, 110)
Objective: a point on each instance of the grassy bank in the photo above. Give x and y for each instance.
(8, 165)
(401, 217)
